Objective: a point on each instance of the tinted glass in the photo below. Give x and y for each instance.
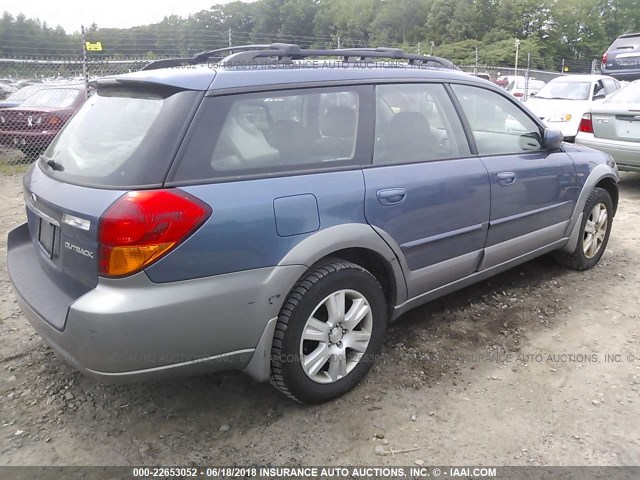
(416, 123)
(120, 137)
(498, 126)
(628, 43)
(272, 132)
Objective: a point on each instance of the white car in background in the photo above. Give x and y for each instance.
(561, 103)
(613, 126)
(517, 87)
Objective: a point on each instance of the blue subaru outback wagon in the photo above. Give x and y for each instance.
(274, 209)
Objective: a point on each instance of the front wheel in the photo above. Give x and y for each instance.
(595, 229)
(328, 332)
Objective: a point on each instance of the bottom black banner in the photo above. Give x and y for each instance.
(338, 473)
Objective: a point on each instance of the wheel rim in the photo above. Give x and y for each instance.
(336, 336)
(595, 230)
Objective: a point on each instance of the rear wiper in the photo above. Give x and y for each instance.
(53, 164)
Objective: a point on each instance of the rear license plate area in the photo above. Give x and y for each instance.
(46, 237)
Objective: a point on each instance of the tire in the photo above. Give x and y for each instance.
(328, 337)
(585, 258)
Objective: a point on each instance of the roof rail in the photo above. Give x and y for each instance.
(287, 52)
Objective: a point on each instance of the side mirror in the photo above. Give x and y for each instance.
(553, 139)
(600, 95)
(532, 94)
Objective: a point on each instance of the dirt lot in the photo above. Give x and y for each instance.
(512, 371)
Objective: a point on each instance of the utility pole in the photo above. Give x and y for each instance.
(419, 49)
(515, 73)
(432, 45)
(475, 68)
(230, 38)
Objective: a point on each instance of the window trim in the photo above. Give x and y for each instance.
(363, 153)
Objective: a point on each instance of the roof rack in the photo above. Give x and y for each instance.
(286, 52)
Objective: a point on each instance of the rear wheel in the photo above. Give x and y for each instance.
(328, 332)
(594, 232)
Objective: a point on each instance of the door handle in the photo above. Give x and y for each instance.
(506, 178)
(391, 196)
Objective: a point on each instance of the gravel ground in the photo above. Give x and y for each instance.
(512, 371)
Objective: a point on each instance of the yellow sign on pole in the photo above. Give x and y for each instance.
(93, 47)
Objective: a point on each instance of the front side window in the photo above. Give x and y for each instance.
(416, 123)
(268, 132)
(499, 127)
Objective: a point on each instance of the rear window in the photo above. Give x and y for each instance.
(627, 43)
(53, 97)
(24, 92)
(121, 138)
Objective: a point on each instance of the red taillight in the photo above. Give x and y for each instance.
(141, 226)
(518, 94)
(54, 121)
(604, 58)
(586, 125)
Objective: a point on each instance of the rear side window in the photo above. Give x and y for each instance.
(121, 137)
(499, 126)
(269, 132)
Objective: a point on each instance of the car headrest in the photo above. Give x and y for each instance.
(339, 122)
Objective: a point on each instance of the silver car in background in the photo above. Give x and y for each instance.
(613, 127)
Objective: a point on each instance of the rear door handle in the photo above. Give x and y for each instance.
(392, 196)
(506, 178)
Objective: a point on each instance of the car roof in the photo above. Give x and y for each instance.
(280, 64)
(579, 78)
(203, 77)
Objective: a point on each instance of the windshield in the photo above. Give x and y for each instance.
(565, 90)
(53, 97)
(628, 94)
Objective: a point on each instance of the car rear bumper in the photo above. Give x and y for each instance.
(626, 154)
(18, 138)
(134, 329)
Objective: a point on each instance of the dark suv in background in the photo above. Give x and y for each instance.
(622, 59)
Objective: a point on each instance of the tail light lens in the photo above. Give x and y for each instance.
(142, 226)
(54, 121)
(586, 125)
(604, 58)
(518, 94)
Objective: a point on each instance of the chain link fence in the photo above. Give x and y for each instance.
(39, 93)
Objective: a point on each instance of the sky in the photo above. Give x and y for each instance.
(71, 14)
